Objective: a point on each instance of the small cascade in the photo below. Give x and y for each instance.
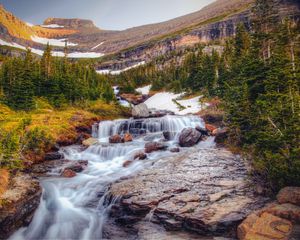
(77, 208)
(150, 125)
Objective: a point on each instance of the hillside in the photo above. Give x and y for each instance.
(88, 37)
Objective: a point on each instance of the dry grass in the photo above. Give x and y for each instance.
(4, 179)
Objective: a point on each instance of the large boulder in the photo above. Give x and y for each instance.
(189, 137)
(89, 142)
(140, 111)
(265, 226)
(116, 139)
(154, 146)
(289, 195)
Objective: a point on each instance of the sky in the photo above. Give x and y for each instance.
(106, 14)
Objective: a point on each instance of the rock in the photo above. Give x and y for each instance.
(140, 156)
(289, 195)
(127, 163)
(189, 137)
(174, 150)
(68, 173)
(154, 146)
(220, 136)
(134, 99)
(202, 130)
(169, 135)
(210, 127)
(140, 111)
(287, 211)
(89, 142)
(53, 156)
(127, 137)
(20, 200)
(192, 190)
(116, 139)
(77, 166)
(266, 226)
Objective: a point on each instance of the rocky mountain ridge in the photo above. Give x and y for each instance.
(126, 48)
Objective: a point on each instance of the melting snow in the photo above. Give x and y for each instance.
(164, 101)
(54, 53)
(97, 46)
(144, 90)
(52, 42)
(52, 26)
(117, 72)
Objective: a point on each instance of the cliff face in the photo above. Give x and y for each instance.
(207, 32)
(217, 21)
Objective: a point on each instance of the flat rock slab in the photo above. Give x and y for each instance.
(201, 190)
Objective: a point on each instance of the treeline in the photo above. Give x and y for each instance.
(58, 80)
(258, 78)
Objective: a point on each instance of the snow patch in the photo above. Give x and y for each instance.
(29, 24)
(97, 46)
(52, 42)
(54, 53)
(144, 90)
(117, 72)
(165, 101)
(52, 26)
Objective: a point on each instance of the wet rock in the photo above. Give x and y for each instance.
(18, 204)
(127, 137)
(202, 130)
(53, 156)
(289, 195)
(189, 137)
(169, 135)
(137, 131)
(266, 226)
(140, 156)
(154, 146)
(221, 136)
(77, 166)
(68, 173)
(174, 150)
(116, 139)
(210, 128)
(89, 142)
(127, 163)
(140, 111)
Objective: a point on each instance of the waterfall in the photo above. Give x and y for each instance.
(75, 208)
(143, 126)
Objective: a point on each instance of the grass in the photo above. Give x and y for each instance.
(60, 124)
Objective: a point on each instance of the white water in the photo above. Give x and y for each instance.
(77, 208)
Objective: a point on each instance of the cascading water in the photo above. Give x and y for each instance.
(76, 208)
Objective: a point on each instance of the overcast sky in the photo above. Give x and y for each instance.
(106, 14)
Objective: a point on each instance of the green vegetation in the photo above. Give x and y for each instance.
(42, 101)
(257, 77)
(61, 82)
